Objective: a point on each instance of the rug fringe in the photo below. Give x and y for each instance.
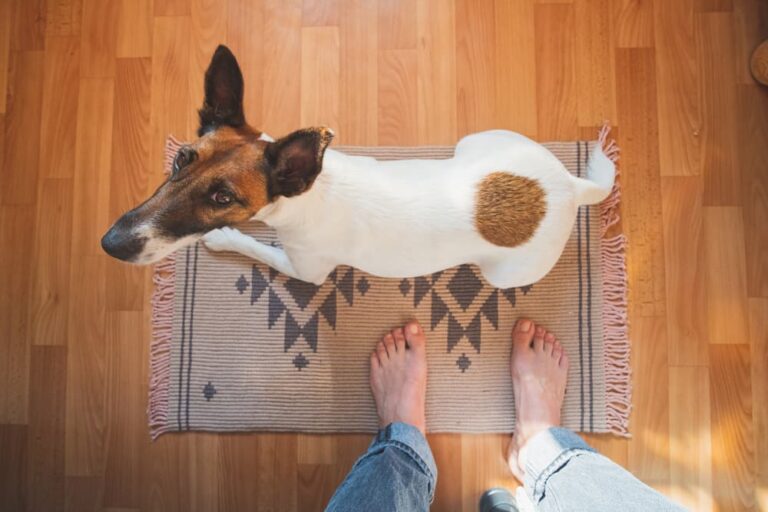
(164, 278)
(618, 371)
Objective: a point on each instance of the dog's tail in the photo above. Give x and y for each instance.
(601, 172)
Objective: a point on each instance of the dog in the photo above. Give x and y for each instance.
(503, 202)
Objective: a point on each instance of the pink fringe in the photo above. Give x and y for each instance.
(618, 372)
(162, 329)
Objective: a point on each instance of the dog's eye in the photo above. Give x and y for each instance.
(184, 157)
(222, 197)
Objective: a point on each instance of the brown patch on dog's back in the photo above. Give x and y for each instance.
(508, 208)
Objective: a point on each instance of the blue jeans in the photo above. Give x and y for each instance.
(562, 473)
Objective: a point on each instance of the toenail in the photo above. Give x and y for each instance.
(525, 325)
(414, 329)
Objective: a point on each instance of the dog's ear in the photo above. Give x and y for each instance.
(223, 103)
(294, 161)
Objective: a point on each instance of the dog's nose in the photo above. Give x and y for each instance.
(121, 245)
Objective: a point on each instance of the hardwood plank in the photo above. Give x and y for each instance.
(684, 261)
(320, 77)
(282, 83)
(750, 28)
(397, 116)
(758, 338)
(714, 5)
(126, 435)
(47, 383)
(170, 106)
(648, 450)
(128, 180)
(358, 74)
(5, 50)
(397, 25)
(722, 186)
(475, 61)
(314, 449)
(239, 466)
(134, 29)
(15, 270)
(49, 292)
(18, 184)
(483, 460)
(245, 32)
(203, 471)
(515, 67)
(594, 62)
(556, 102)
(63, 18)
(59, 108)
(733, 474)
(84, 494)
(208, 21)
(633, 21)
(93, 156)
(86, 367)
(641, 208)
(677, 80)
(690, 440)
(28, 25)
(725, 275)
(447, 450)
(320, 13)
(277, 472)
(99, 38)
(316, 484)
(13, 470)
(171, 7)
(436, 72)
(163, 475)
(753, 132)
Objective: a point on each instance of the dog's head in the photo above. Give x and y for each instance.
(224, 177)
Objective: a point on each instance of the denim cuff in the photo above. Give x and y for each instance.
(409, 440)
(546, 453)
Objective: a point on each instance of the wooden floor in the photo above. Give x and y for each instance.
(90, 88)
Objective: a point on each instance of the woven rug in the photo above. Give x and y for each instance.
(240, 347)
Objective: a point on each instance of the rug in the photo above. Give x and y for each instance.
(239, 347)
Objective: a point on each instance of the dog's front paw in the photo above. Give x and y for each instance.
(223, 239)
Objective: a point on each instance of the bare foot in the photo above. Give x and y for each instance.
(539, 369)
(399, 376)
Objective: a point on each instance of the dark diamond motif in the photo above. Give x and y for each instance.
(405, 287)
(491, 309)
(276, 308)
(509, 294)
(293, 330)
(301, 291)
(209, 391)
(463, 362)
(423, 286)
(363, 286)
(456, 331)
(346, 284)
(328, 309)
(241, 284)
(258, 284)
(464, 286)
(439, 310)
(300, 361)
(526, 289)
(273, 274)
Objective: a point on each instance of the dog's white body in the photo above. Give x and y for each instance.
(406, 218)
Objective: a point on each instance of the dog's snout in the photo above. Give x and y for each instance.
(121, 244)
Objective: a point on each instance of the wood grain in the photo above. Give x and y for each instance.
(678, 88)
(90, 89)
(733, 471)
(556, 100)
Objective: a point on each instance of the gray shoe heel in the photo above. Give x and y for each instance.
(498, 500)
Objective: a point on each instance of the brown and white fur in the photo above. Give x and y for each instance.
(503, 202)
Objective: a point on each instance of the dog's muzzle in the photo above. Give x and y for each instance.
(122, 244)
